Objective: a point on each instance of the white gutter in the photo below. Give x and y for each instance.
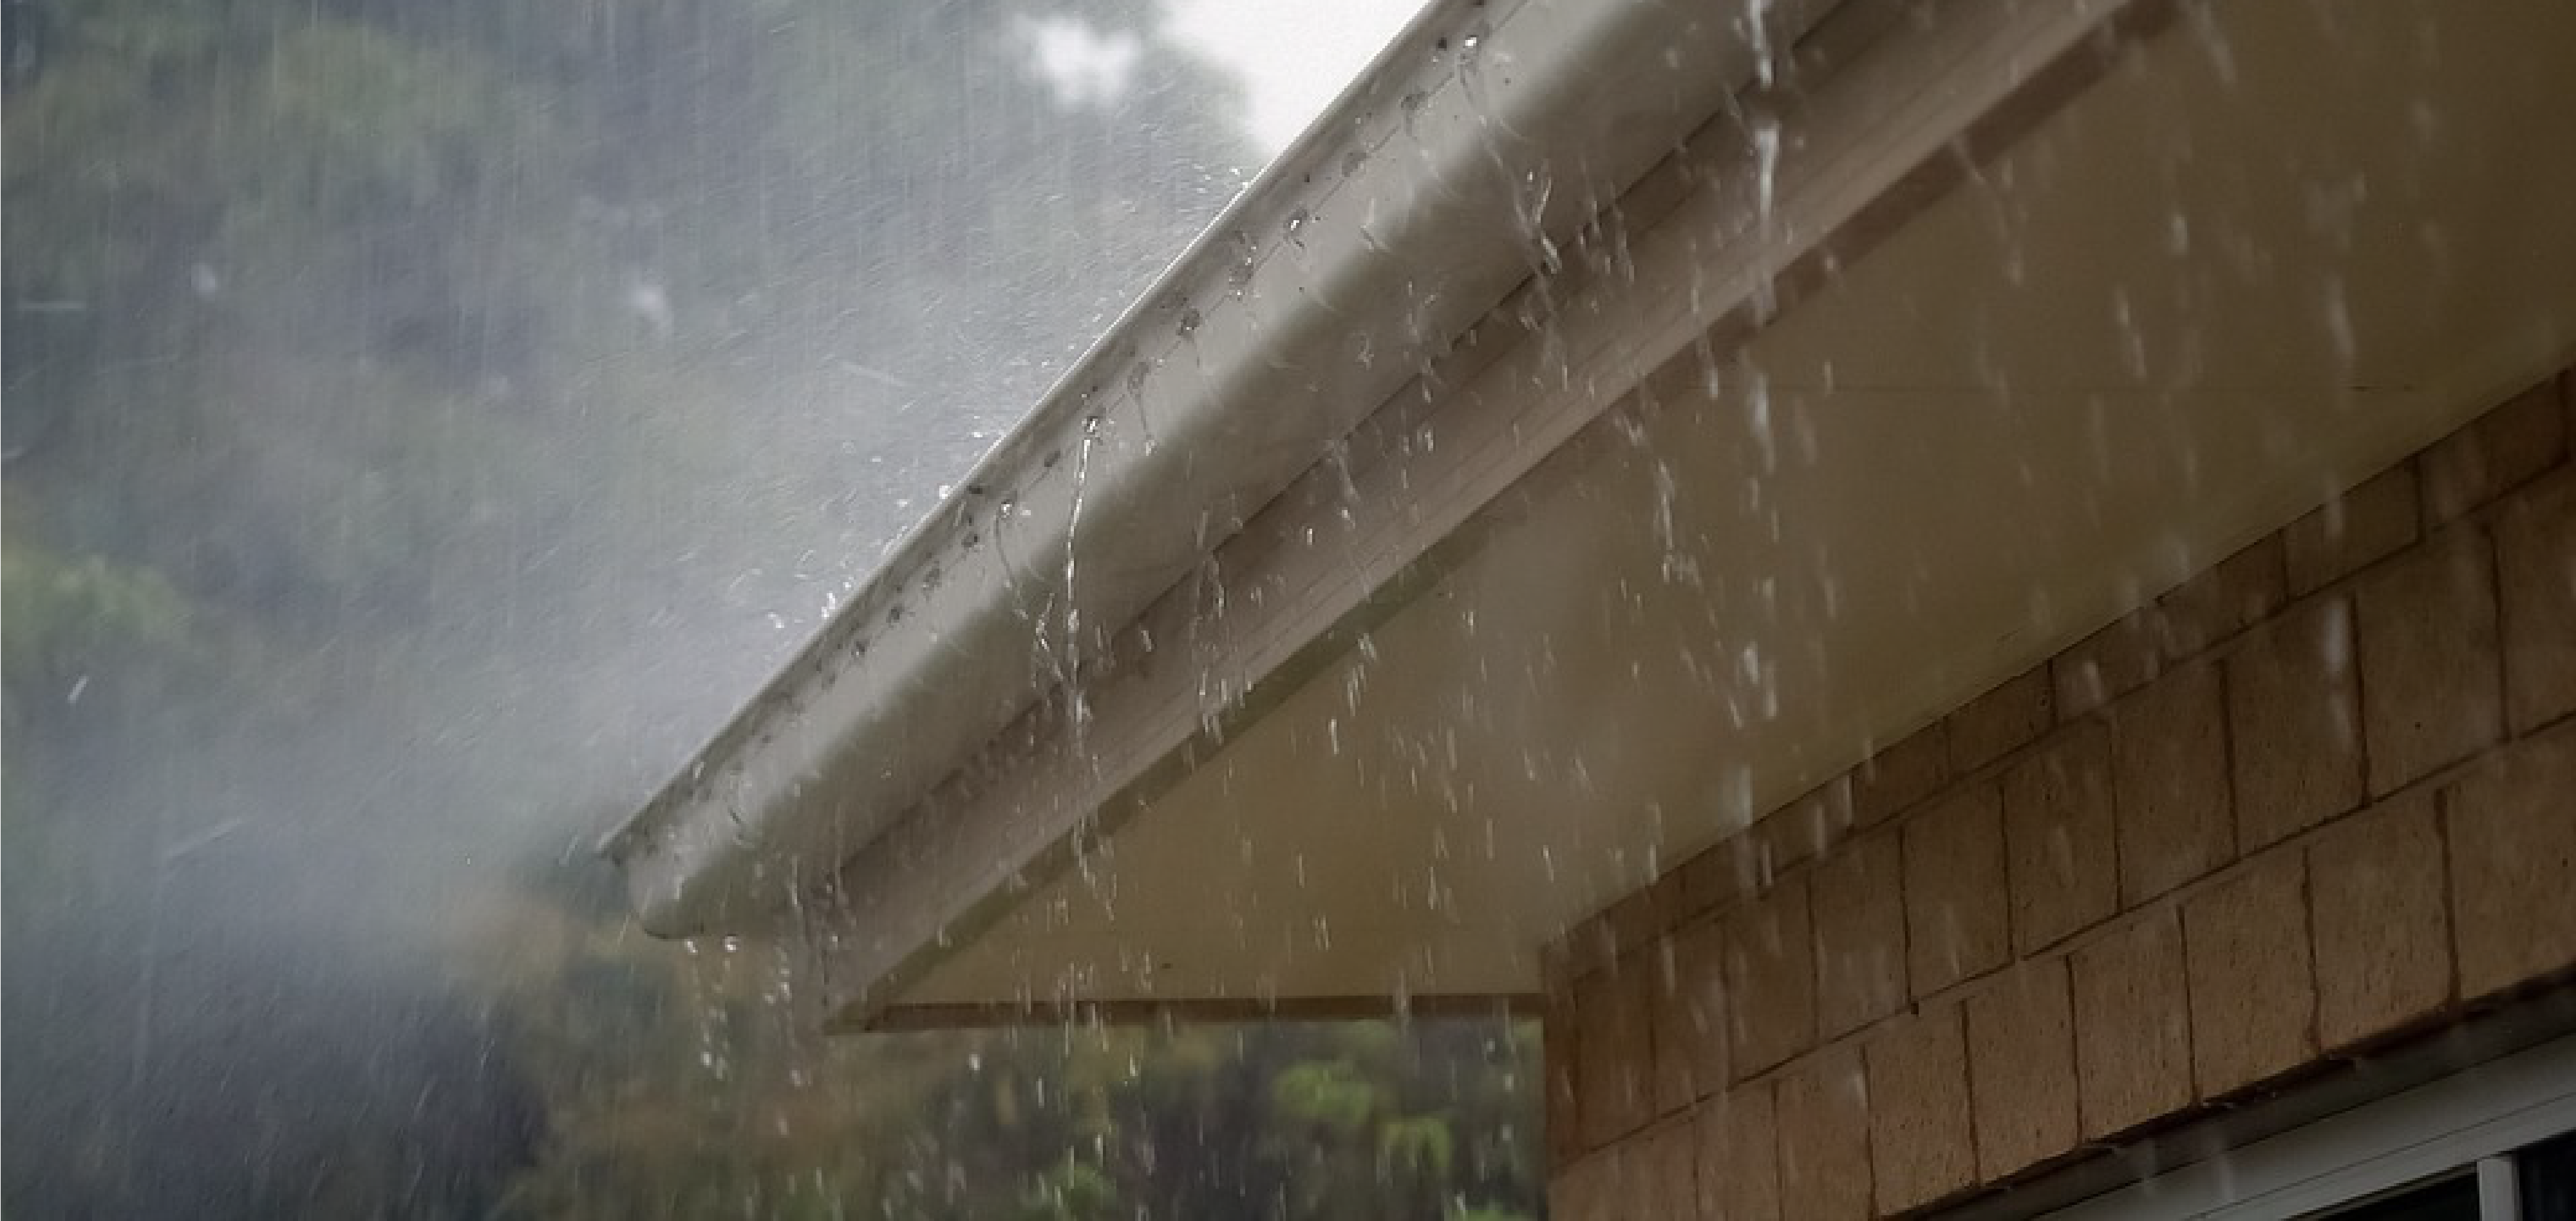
(1888, 118)
(1470, 151)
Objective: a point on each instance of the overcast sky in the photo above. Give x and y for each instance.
(1294, 54)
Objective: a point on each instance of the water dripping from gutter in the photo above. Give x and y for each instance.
(1766, 154)
(1092, 429)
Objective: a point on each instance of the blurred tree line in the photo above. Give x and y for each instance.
(422, 423)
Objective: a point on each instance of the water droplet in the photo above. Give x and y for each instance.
(1247, 259)
(1758, 32)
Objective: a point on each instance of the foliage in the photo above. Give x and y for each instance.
(423, 419)
(59, 614)
(679, 1089)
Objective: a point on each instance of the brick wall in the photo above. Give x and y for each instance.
(2321, 797)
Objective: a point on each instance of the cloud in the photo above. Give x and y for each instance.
(1083, 65)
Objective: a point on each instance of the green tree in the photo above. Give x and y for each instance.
(419, 412)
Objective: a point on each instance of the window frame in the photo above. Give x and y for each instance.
(2478, 1117)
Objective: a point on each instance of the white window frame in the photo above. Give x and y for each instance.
(2476, 1118)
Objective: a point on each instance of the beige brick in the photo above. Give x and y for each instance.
(2354, 530)
(1770, 980)
(1805, 828)
(1558, 1055)
(2253, 999)
(1585, 948)
(1615, 1190)
(1824, 1136)
(2058, 834)
(2294, 711)
(2536, 573)
(1956, 901)
(1555, 972)
(2021, 1069)
(2108, 664)
(2513, 864)
(1586, 1190)
(1690, 1016)
(1755, 863)
(2132, 1028)
(2002, 720)
(2383, 930)
(1664, 1180)
(2504, 448)
(2169, 781)
(1614, 1053)
(1638, 918)
(2429, 667)
(2226, 598)
(1722, 876)
(1739, 1172)
(1859, 899)
(1918, 1110)
(1900, 775)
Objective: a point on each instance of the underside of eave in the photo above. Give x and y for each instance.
(895, 922)
(2050, 288)
(1487, 135)
(2032, 415)
(903, 1018)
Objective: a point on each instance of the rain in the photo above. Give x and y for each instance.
(423, 429)
(1160, 608)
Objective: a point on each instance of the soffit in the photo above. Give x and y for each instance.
(2262, 260)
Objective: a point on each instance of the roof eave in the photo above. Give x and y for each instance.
(1478, 143)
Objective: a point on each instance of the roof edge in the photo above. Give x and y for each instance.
(1474, 146)
(1900, 125)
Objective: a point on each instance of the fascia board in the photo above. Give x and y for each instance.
(1909, 120)
(1468, 153)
